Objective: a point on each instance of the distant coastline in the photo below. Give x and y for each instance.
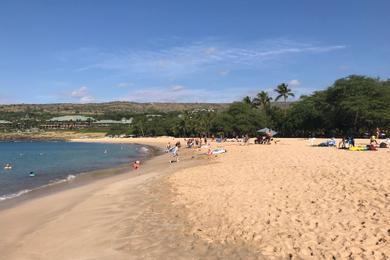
(47, 136)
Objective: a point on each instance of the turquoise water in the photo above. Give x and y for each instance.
(55, 161)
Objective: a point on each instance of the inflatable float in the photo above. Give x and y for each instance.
(357, 148)
(363, 148)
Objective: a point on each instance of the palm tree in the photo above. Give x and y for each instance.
(186, 123)
(247, 100)
(283, 92)
(262, 100)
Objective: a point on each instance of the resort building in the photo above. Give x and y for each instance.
(68, 122)
(151, 117)
(4, 124)
(201, 110)
(108, 122)
(80, 122)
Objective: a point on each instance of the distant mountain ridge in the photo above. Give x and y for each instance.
(109, 107)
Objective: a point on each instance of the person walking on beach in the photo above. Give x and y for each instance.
(175, 153)
(246, 139)
(168, 147)
(378, 133)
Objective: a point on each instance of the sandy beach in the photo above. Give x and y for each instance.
(292, 200)
(285, 200)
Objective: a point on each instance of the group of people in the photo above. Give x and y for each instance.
(347, 142)
(377, 136)
(264, 139)
(196, 142)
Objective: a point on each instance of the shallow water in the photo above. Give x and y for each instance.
(55, 161)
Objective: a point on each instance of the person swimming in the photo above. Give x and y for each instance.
(7, 166)
(32, 174)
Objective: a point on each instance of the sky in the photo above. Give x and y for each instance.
(185, 51)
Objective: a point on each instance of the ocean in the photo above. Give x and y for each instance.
(53, 162)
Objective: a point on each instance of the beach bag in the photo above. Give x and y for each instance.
(382, 145)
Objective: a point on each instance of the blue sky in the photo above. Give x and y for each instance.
(185, 51)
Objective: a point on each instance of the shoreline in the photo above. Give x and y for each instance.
(60, 135)
(27, 219)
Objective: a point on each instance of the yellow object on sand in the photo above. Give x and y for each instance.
(357, 148)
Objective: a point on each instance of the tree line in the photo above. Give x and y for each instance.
(354, 105)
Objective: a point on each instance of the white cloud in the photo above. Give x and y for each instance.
(199, 56)
(165, 94)
(223, 72)
(80, 92)
(87, 99)
(177, 88)
(82, 95)
(294, 83)
(123, 85)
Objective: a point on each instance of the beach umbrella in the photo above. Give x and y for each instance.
(263, 130)
(267, 130)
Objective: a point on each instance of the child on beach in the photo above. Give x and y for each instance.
(136, 165)
(175, 153)
(168, 147)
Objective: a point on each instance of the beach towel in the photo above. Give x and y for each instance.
(328, 143)
(216, 151)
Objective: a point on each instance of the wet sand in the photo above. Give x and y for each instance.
(254, 202)
(122, 217)
(113, 218)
